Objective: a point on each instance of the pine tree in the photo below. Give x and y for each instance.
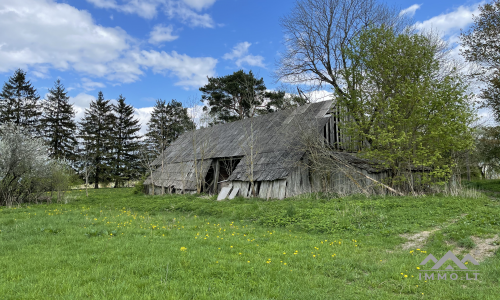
(96, 132)
(167, 123)
(57, 123)
(19, 102)
(126, 144)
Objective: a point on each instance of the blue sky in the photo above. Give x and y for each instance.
(150, 49)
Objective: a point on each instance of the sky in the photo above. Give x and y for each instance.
(164, 49)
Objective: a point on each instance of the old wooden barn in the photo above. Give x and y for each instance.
(267, 150)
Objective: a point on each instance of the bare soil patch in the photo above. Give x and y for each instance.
(485, 247)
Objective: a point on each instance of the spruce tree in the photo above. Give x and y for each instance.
(57, 123)
(19, 103)
(126, 144)
(167, 123)
(96, 132)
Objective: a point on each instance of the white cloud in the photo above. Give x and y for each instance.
(143, 115)
(81, 102)
(44, 35)
(90, 85)
(144, 8)
(321, 95)
(192, 71)
(240, 55)
(451, 22)
(161, 33)
(410, 11)
(176, 9)
(148, 9)
(199, 4)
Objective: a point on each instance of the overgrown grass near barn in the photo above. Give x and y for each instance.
(117, 245)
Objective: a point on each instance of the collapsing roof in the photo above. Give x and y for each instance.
(274, 137)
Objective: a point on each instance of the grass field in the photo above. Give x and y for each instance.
(118, 245)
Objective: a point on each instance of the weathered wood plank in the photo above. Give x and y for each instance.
(224, 193)
(234, 193)
(264, 186)
(282, 189)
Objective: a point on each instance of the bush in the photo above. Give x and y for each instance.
(139, 186)
(26, 171)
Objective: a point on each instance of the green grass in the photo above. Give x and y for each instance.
(117, 245)
(492, 185)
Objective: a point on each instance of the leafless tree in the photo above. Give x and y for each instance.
(318, 31)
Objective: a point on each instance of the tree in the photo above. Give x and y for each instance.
(24, 164)
(317, 33)
(229, 98)
(19, 102)
(58, 125)
(481, 43)
(167, 123)
(488, 151)
(240, 95)
(125, 137)
(96, 132)
(402, 106)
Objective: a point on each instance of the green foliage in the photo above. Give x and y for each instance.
(96, 132)
(466, 243)
(57, 123)
(489, 185)
(139, 187)
(168, 121)
(403, 105)
(240, 95)
(125, 137)
(481, 47)
(19, 103)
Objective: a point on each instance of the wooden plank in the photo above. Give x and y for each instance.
(224, 193)
(275, 190)
(282, 189)
(264, 186)
(234, 192)
(216, 176)
(269, 190)
(244, 189)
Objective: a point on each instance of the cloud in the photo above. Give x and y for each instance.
(143, 115)
(410, 11)
(240, 55)
(161, 33)
(43, 35)
(90, 85)
(199, 4)
(184, 10)
(176, 9)
(321, 95)
(144, 8)
(80, 103)
(452, 22)
(192, 71)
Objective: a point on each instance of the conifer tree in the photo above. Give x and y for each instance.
(167, 123)
(126, 144)
(19, 102)
(57, 123)
(96, 132)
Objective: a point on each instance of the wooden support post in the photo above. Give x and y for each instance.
(216, 176)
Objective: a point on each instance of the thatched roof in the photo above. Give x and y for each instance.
(275, 140)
